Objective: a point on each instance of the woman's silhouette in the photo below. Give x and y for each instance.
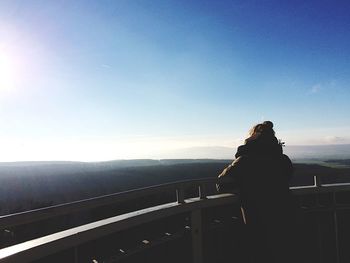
(261, 173)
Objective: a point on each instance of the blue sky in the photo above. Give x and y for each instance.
(98, 80)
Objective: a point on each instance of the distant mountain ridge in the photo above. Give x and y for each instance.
(195, 155)
(295, 152)
(29, 187)
(320, 152)
(60, 168)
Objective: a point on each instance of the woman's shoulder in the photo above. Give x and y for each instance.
(241, 160)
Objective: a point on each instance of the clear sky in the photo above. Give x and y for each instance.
(99, 80)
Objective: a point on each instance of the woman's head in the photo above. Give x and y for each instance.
(262, 131)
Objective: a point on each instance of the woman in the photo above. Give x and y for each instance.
(261, 173)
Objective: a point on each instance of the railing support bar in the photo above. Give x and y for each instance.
(180, 195)
(335, 218)
(197, 236)
(76, 255)
(319, 239)
(317, 181)
(202, 191)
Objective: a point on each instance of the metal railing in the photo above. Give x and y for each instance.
(72, 238)
(317, 206)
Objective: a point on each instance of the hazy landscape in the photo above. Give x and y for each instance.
(29, 185)
(298, 153)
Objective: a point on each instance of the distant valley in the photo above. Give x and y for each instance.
(30, 185)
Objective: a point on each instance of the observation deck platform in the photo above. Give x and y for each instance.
(185, 221)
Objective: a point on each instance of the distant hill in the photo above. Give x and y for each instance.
(210, 152)
(318, 152)
(303, 153)
(61, 168)
(32, 185)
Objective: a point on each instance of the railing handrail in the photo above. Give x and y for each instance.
(35, 215)
(59, 241)
(40, 247)
(94, 202)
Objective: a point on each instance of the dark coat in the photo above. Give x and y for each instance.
(261, 173)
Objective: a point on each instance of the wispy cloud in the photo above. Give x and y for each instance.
(315, 89)
(325, 86)
(335, 139)
(106, 66)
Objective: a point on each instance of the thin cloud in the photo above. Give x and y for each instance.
(315, 89)
(335, 139)
(106, 66)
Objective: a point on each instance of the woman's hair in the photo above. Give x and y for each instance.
(262, 130)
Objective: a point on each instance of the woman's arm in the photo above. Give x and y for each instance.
(227, 179)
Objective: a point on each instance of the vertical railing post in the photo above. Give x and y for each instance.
(317, 181)
(197, 236)
(180, 195)
(319, 239)
(76, 255)
(202, 191)
(335, 218)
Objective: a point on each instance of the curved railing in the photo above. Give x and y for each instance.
(73, 238)
(91, 203)
(320, 201)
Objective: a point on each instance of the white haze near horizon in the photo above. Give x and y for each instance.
(146, 147)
